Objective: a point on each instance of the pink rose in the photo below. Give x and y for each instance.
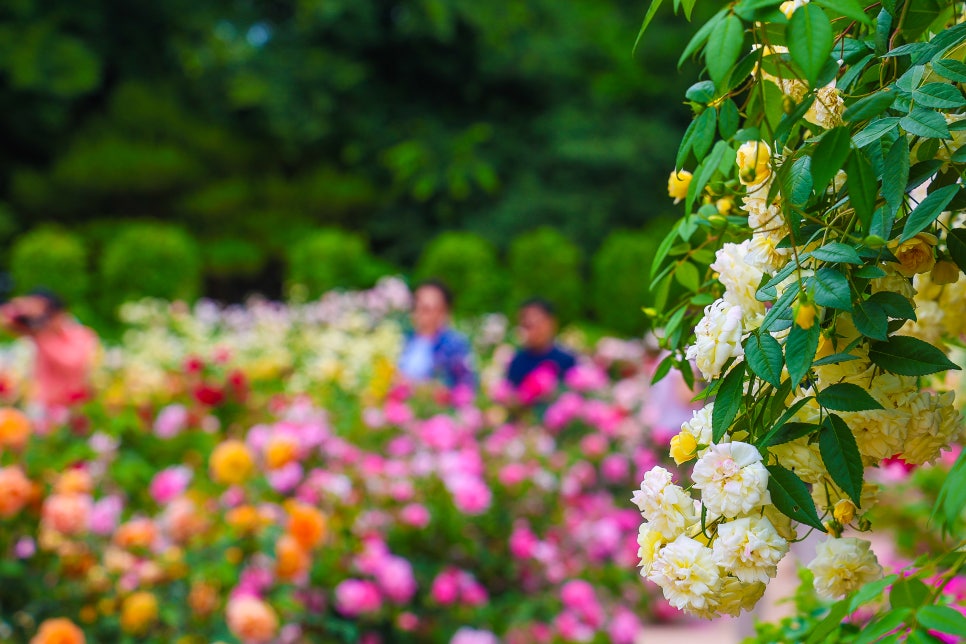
(354, 597)
(415, 515)
(169, 484)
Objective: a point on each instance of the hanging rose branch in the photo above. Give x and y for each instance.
(821, 249)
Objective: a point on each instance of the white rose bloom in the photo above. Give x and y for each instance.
(686, 572)
(740, 277)
(749, 548)
(717, 338)
(842, 565)
(732, 479)
(649, 543)
(700, 427)
(828, 107)
(667, 507)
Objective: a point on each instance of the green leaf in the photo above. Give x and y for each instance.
(797, 181)
(870, 320)
(954, 70)
(943, 619)
(830, 288)
(908, 593)
(687, 276)
(845, 396)
(704, 129)
(725, 44)
(870, 272)
(872, 105)
(780, 310)
(764, 356)
(800, 350)
(863, 187)
(789, 432)
(875, 131)
(835, 358)
(831, 623)
(894, 305)
(705, 171)
(837, 252)
(792, 498)
(956, 243)
(809, 37)
(879, 627)
(829, 156)
(848, 8)
(895, 176)
(648, 17)
(951, 500)
(728, 119)
(870, 592)
(841, 456)
(927, 123)
(928, 211)
(727, 402)
(699, 38)
(939, 95)
(908, 356)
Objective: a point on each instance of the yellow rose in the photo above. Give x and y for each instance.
(915, 255)
(231, 463)
(138, 612)
(805, 313)
(678, 184)
(844, 511)
(944, 272)
(280, 451)
(753, 161)
(684, 447)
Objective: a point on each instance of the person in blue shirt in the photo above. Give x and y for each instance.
(538, 333)
(434, 351)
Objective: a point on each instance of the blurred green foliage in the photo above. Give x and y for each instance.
(250, 124)
(544, 263)
(329, 259)
(469, 266)
(53, 258)
(149, 259)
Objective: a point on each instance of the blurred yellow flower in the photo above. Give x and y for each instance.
(139, 612)
(915, 255)
(678, 184)
(231, 463)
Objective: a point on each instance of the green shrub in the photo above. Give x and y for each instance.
(53, 258)
(149, 259)
(544, 263)
(468, 265)
(621, 277)
(329, 258)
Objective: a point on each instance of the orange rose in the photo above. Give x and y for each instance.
(15, 491)
(59, 630)
(231, 463)
(251, 620)
(291, 560)
(280, 451)
(203, 599)
(136, 533)
(306, 524)
(915, 255)
(14, 428)
(138, 612)
(67, 514)
(245, 518)
(74, 481)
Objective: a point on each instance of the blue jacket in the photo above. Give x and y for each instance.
(452, 358)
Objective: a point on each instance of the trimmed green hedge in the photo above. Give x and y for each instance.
(544, 263)
(52, 258)
(331, 258)
(469, 266)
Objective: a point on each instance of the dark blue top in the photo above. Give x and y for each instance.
(525, 361)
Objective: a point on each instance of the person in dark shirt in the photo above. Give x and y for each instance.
(538, 333)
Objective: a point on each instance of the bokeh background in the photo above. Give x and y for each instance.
(225, 147)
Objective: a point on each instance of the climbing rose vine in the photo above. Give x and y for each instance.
(821, 250)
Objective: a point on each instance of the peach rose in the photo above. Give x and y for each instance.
(15, 491)
(14, 428)
(251, 620)
(74, 481)
(59, 630)
(203, 599)
(136, 533)
(68, 514)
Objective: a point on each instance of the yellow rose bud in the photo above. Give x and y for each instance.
(915, 255)
(231, 463)
(678, 184)
(683, 447)
(844, 511)
(138, 612)
(753, 161)
(725, 205)
(944, 272)
(805, 313)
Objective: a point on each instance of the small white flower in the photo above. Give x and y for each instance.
(732, 479)
(842, 565)
(749, 548)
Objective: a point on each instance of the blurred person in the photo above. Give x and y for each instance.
(538, 344)
(434, 351)
(65, 348)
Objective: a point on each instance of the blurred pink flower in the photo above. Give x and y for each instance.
(105, 515)
(586, 377)
(615, 469)
(24, 548)
(446, 587)
(571, 629)
(171, 421)
(407, 621)
(567, 407)
(523, 541)
(538, 384)
(170, 483)
(625, 627)
(286, 478)
(397, 413)
(355, 597)
(466, 635)
(470, 494)
(395, 578)
(415, 515)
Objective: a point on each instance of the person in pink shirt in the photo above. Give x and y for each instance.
(65, 348)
